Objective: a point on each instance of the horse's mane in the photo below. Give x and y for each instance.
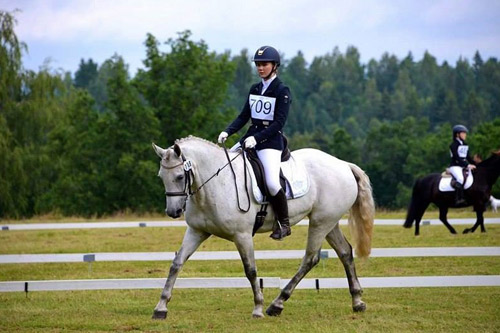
(489, 160)
(195, 138)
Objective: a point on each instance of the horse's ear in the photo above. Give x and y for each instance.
(159, 150)
(177, 150)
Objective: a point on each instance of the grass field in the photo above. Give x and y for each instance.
(229, 310)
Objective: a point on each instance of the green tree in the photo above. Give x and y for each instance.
(296, 75)
(186, 87)
(107, 158)
(86, 74)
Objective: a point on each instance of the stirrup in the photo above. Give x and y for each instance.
(281, 232)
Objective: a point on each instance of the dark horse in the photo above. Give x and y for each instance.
(426, 191)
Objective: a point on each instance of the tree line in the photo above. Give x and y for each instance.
(80, 144)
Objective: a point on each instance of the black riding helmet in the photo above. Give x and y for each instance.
(459, 129)
(267, 53)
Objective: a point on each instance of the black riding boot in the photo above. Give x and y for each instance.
(459, 194)
(280, 207)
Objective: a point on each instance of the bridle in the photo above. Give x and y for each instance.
(188, 175)
(189, 178)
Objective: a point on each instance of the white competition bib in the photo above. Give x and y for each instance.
(462, 151)
(262, 107)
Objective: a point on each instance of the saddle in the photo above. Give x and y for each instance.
(294, 178)
(258, 170)
(447, 182)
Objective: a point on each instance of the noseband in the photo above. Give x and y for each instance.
(189, 178)
(188, 175)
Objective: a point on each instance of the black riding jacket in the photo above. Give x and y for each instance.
(459, 151)
(268, 113)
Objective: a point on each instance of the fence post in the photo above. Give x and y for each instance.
(90, 258)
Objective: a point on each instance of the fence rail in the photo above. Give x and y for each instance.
(266, 282)
(234, 255)
(163, 224)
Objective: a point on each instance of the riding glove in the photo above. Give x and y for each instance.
(250, 142)
(222, 137)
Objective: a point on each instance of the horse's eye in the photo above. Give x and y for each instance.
(180, 177)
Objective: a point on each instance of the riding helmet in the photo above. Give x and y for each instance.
(267, 53)
(459, 129)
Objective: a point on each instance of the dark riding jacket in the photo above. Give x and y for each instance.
(459, 151)
(268, 113)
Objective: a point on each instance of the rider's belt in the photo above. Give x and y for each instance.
(261, 123)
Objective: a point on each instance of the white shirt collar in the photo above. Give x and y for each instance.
(266, 84)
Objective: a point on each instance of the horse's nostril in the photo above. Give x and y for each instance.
(179, 212)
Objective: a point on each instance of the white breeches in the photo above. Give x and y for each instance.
(456, 171)
(271, 160)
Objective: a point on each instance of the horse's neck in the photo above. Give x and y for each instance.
(491, 170)
(206, 157)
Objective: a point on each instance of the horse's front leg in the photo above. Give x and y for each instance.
(479, 222)
(344, 251)
(192, 239)
(244, 244)
(443, 212)
(311, 259)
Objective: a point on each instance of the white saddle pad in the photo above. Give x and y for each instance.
(445, 183)
(297, 184)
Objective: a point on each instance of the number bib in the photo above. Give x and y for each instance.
(262, 107)
(462, 151)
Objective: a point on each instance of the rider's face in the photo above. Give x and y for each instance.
(462, 136)
(264, 68)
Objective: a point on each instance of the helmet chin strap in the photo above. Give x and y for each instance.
(275, 69)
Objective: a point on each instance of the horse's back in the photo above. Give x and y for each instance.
(332, 178)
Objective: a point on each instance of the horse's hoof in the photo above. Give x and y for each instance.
(273, 310)
(257, 315)
(453, 232)
(360, 307)
(466, 231)
(160, 315)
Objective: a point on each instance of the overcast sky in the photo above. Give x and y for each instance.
(66, 31)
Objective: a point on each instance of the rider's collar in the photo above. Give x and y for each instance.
(267, 83)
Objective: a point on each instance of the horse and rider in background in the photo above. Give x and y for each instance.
(468, 183)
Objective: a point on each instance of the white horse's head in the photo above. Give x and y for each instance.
(175, 179)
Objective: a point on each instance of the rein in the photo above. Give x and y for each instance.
(189, 177)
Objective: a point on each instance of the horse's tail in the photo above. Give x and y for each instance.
(411, 214)
(362, 213)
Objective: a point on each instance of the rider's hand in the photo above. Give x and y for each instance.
(250, 142)
(471, 166)
(222, 137)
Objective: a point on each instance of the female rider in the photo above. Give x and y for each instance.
(460, 159)
(267, 106)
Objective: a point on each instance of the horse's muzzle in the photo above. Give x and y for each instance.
(174, 214)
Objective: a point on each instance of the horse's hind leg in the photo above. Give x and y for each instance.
(420, 213)
(192, 239)
(344, 251)
(314, 239)
(244, 244)
(443, 212)
(479, 222)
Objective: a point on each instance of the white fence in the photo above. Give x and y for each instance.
(323, 283)
(234, 255)
(156, 224)
(267, 282)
